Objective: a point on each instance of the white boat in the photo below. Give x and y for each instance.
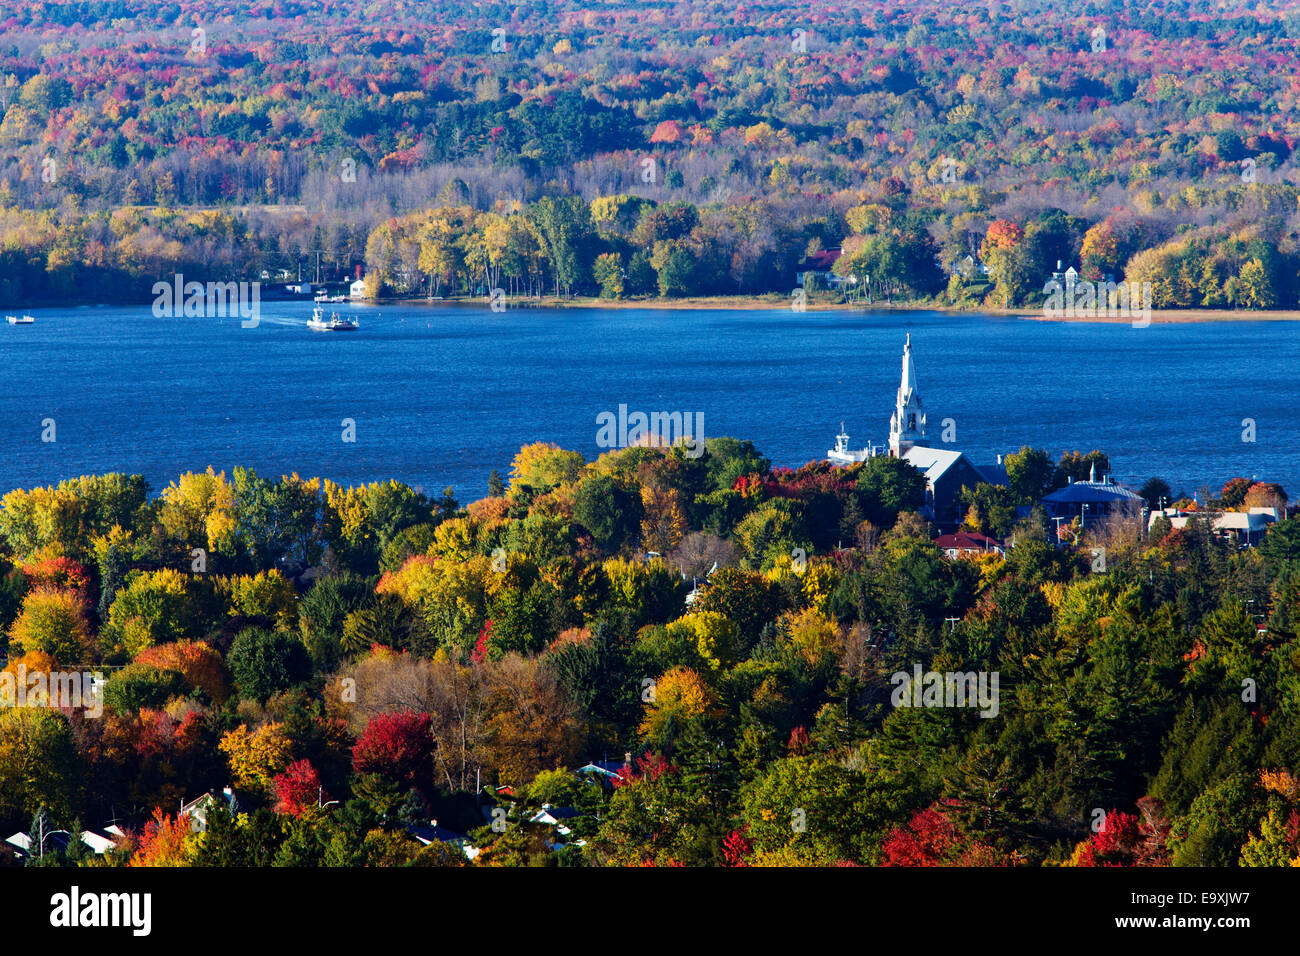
(15, 320)
(335, 323)
(841, 454)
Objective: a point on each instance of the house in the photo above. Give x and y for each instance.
(1070, 275)
(606, 771)
(198, 808)
(698, 586)
(551, 816)
(1243, 527)
(434, 833)
(357, 290)
(99, 841)
(968, 267)
(964, 543)
(815, 270)
(1094, 498)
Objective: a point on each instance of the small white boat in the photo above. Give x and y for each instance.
(15, 320)
(335, 323)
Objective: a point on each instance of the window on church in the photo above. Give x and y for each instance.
(911, 423)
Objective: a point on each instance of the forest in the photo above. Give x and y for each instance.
(953, 154)
(649, 659)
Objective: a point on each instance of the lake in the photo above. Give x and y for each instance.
(443, 393)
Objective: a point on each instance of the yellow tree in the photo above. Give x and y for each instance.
(1100, 250)
(53, 620)
(1255, 286)
(265, 594)
(154, 607)
(542, 466)
(715, 637)
(255, 758)
(812, 633)
(198, 510)
(680, 695)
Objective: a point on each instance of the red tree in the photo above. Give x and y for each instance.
(933, 839)
(397, 745)
(297, 789)
(735, 848)
(648, 767)
(1127, 840)
(799, 743)
(480, 652)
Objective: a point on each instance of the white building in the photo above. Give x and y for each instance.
(947, 471)
(1245, 527)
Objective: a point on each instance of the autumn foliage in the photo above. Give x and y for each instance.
(932, 838)
(397, 745)
(297, 789)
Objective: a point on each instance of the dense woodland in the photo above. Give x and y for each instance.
(358, 661)
(651, 148)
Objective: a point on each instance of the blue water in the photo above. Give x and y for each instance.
(442, 394)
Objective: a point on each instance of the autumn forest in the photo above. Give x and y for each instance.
(651, 149)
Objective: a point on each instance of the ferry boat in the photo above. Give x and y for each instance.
(318, 322)
(841, 454)
(16, 320)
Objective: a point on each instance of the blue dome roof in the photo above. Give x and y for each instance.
(1087, 492)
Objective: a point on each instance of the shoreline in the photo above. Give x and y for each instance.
(781, 303)
(775, 303)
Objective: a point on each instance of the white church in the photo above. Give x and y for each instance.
(946, 470)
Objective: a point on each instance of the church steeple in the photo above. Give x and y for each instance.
(907, 425)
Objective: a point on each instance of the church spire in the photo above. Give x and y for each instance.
(907, 425)
(909, 370)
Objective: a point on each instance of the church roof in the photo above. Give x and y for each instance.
(933, 462)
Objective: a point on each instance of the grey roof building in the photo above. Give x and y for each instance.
(1096, 497)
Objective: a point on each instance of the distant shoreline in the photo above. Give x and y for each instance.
(781, 303)
(778, 303)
